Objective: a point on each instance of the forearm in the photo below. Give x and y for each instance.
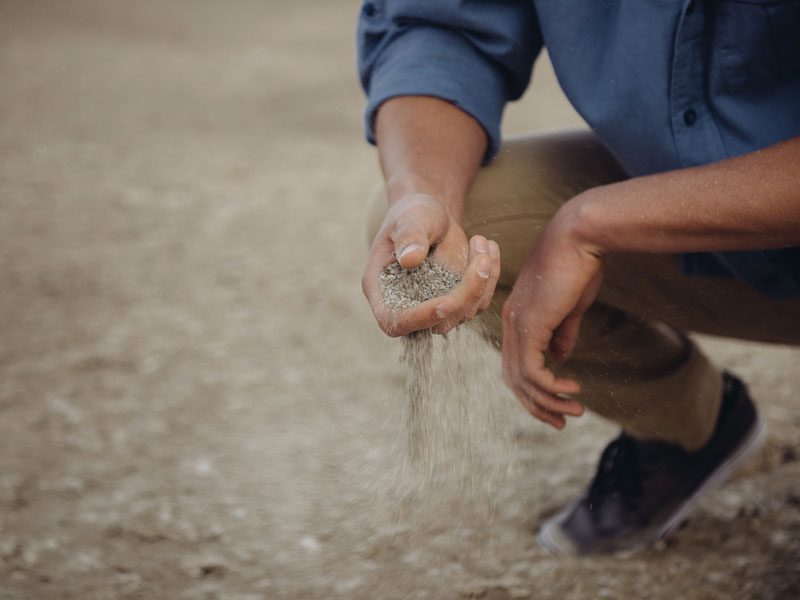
(430, 152)
(429, 146)
(743, 203)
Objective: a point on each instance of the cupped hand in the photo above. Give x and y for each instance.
(557, 284)
(415, 225)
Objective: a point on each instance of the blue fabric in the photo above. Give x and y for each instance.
(665, 84)
(476, 54)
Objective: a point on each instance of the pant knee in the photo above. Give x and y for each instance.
(614, 345)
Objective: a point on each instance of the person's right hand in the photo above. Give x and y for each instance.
(414, 224)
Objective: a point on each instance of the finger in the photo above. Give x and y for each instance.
(466, 296)
(427, 315)
(551, 403)
(380, 255)
(411, 244)
(443, 327)
(534, 370)
(506, 359)
(477, 245)
(494, 276)
(543, 406)
(523, 355)
(544, 415)
(509, 350)
(565, 337)
(536, 410)
(511, 376)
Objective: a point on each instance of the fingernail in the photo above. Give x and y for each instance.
(483, 269)
(408, 249)
(441, 312)
(481, 245)
(494, 249)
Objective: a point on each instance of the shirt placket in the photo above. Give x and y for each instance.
(694, 130)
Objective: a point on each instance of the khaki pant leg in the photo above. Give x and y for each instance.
(654, 287)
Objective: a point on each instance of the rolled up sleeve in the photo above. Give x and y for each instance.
(477, 55)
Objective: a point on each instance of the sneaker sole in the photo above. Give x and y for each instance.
(553, 542)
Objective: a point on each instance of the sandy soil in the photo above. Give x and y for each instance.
(193, 397)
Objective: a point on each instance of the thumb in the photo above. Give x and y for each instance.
(411, 246)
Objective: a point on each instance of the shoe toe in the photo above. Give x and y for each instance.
(553, 540)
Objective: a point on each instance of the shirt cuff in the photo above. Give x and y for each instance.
(428, 61)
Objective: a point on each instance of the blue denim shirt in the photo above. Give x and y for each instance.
(665, 84)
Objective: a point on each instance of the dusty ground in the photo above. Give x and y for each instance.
(192, 391)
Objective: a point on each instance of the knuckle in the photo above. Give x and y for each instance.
(475, 292)
(442, 327)
(405, 234)
(546, 402)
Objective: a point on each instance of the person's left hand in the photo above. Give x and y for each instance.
(557, 284)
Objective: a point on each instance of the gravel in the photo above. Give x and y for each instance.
(405, 288)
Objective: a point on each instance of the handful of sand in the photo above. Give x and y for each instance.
(405, 288)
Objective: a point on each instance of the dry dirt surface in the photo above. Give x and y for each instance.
(194, 400)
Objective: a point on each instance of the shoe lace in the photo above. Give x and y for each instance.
(618, 474)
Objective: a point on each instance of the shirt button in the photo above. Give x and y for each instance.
(690, 116)
(690, 8)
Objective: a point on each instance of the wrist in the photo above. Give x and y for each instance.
(411, 189)
(579, 223)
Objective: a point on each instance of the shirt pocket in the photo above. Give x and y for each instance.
(758, 43)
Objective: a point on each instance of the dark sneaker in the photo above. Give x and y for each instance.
(645, 489)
